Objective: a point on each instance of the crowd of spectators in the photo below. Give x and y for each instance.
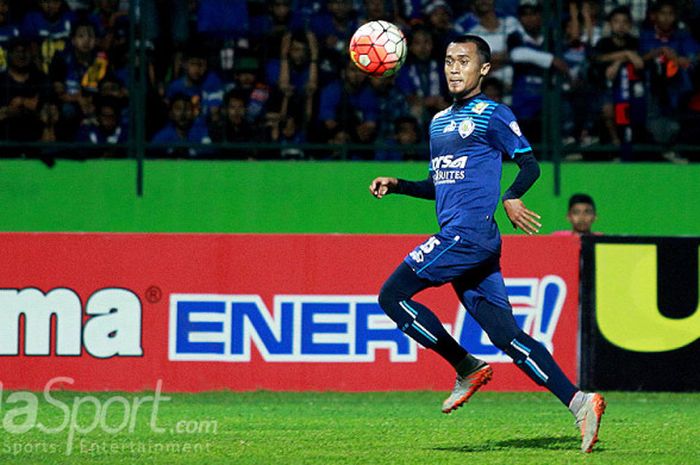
(277, 74)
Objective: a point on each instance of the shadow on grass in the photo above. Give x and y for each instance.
(542, 443)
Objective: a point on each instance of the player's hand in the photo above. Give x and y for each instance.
(382, 186)
(521, 217)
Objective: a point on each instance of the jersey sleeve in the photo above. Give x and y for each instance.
(504, 133)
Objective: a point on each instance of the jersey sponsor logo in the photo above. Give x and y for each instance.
(112, 327)
(450, 127)
(515, 128)
(480, 107)
(448, 161)
(335, 328)
(466, 127)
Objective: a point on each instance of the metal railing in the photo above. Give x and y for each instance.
(139, 149)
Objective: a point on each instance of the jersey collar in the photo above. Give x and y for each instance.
(459, 104)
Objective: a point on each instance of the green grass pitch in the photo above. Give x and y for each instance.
(263, 428)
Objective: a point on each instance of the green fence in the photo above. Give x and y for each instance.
(316, 197)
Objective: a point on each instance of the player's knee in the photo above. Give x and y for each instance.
(389, 301)
(498, 323)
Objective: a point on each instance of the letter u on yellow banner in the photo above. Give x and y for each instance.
(627, 301)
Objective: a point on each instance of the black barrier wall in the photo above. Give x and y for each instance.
(640, 323)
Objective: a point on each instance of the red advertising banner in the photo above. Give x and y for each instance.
(246, 312)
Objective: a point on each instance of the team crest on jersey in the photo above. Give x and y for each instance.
(466, 127)
(480, 107)
(516, 129)
(450, 127)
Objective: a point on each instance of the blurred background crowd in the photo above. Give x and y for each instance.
(276, 74)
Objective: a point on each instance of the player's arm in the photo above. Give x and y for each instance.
(506, 136)
(382, 186)
(518, 214)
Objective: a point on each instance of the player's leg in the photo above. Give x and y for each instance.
(487, 302)
(418, 321)
(440, 259)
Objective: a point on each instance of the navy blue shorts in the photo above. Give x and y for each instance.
(473, 270)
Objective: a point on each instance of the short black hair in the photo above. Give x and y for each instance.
(179, 97)
(82, 22)
(482, 47)
(620, 10)
(235, 94)
(581, 198)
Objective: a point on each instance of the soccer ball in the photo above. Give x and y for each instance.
(378, 48)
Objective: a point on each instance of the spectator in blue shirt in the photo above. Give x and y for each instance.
(77, 71)
(222, 20)
(670, 54)
(349, 108)
(526, 50)
(182, 127)
(403, 145)
(296, 76)
(50, 26)
(421, 78)
(333, 29)
(392, 106)
(202, 86)
(105, 128)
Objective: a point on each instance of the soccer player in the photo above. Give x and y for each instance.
(467, 141)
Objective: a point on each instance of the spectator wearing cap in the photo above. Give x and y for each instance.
(494, 29)
(50, 27)
(8, 31)
(246, 79)
(421, 78)
(526, 51)
(201, 85)
(21, 87)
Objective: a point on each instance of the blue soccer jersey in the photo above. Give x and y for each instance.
(467, 143)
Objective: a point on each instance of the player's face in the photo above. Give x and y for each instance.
(581, 216)
(464, 70)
